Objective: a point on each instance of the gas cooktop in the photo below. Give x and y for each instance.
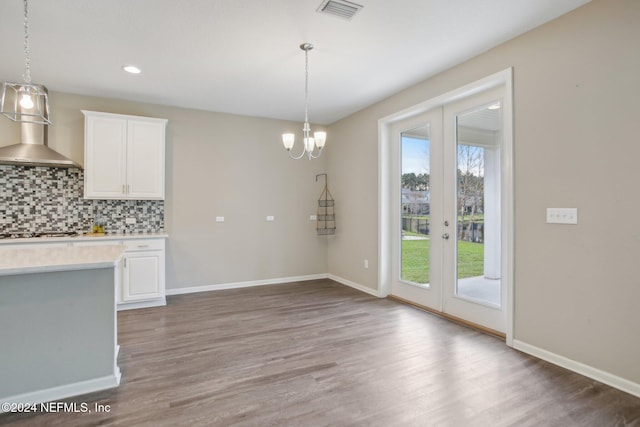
(23, 235)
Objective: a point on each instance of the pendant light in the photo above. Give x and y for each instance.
(25, 102)
(312, 146)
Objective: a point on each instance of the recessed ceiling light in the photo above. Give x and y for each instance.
(132, 69)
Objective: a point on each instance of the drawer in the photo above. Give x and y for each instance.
(144, 245)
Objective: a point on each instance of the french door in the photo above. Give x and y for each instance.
(446, 219)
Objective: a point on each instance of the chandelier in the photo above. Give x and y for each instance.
(25, 102)
(312, 146)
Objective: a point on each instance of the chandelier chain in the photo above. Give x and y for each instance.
(27, 60)
(306, 85)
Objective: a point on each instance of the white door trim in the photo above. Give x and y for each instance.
(503, 78)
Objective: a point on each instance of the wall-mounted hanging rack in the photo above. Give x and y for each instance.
(326, 214)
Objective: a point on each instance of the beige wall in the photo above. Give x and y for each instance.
(576, 89)
(218, 165)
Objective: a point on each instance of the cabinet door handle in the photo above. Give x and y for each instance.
(143, 246)
(128, 188)
(124, 189)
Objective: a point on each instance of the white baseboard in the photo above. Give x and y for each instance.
(65, 391)
(582, 369)
(248, 284)
(142, 304)
(355, 285)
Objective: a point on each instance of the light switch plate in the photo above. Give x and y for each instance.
(313, 218)
(219, 219)
(270, 218)
(562, 215)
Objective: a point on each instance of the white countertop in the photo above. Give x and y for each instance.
(127, 236)
(39, 260)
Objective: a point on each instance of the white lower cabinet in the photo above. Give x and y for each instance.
(143, 272)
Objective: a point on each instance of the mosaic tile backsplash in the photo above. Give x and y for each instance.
(37, 199)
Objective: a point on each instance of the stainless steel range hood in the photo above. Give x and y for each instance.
(33, 150)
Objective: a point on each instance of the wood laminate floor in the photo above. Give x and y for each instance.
(321, 354)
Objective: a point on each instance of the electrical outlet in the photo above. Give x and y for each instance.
(562, 215)
(313, 218)
(270, 218)
(219, 219)
(130, 221)
(366, 263)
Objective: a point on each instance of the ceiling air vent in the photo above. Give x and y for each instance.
(340, 8)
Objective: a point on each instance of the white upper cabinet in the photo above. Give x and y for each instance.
(145, 159)
(123, 156)
(105, 157)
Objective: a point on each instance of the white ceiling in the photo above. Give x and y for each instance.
(242, 56)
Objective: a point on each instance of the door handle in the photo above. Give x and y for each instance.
(445, 236)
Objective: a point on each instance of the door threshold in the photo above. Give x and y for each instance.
(449, 317)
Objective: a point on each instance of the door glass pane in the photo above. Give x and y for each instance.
(415, 148)
(478, 205)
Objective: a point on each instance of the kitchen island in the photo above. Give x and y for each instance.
(58, 322)
(142, 283)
